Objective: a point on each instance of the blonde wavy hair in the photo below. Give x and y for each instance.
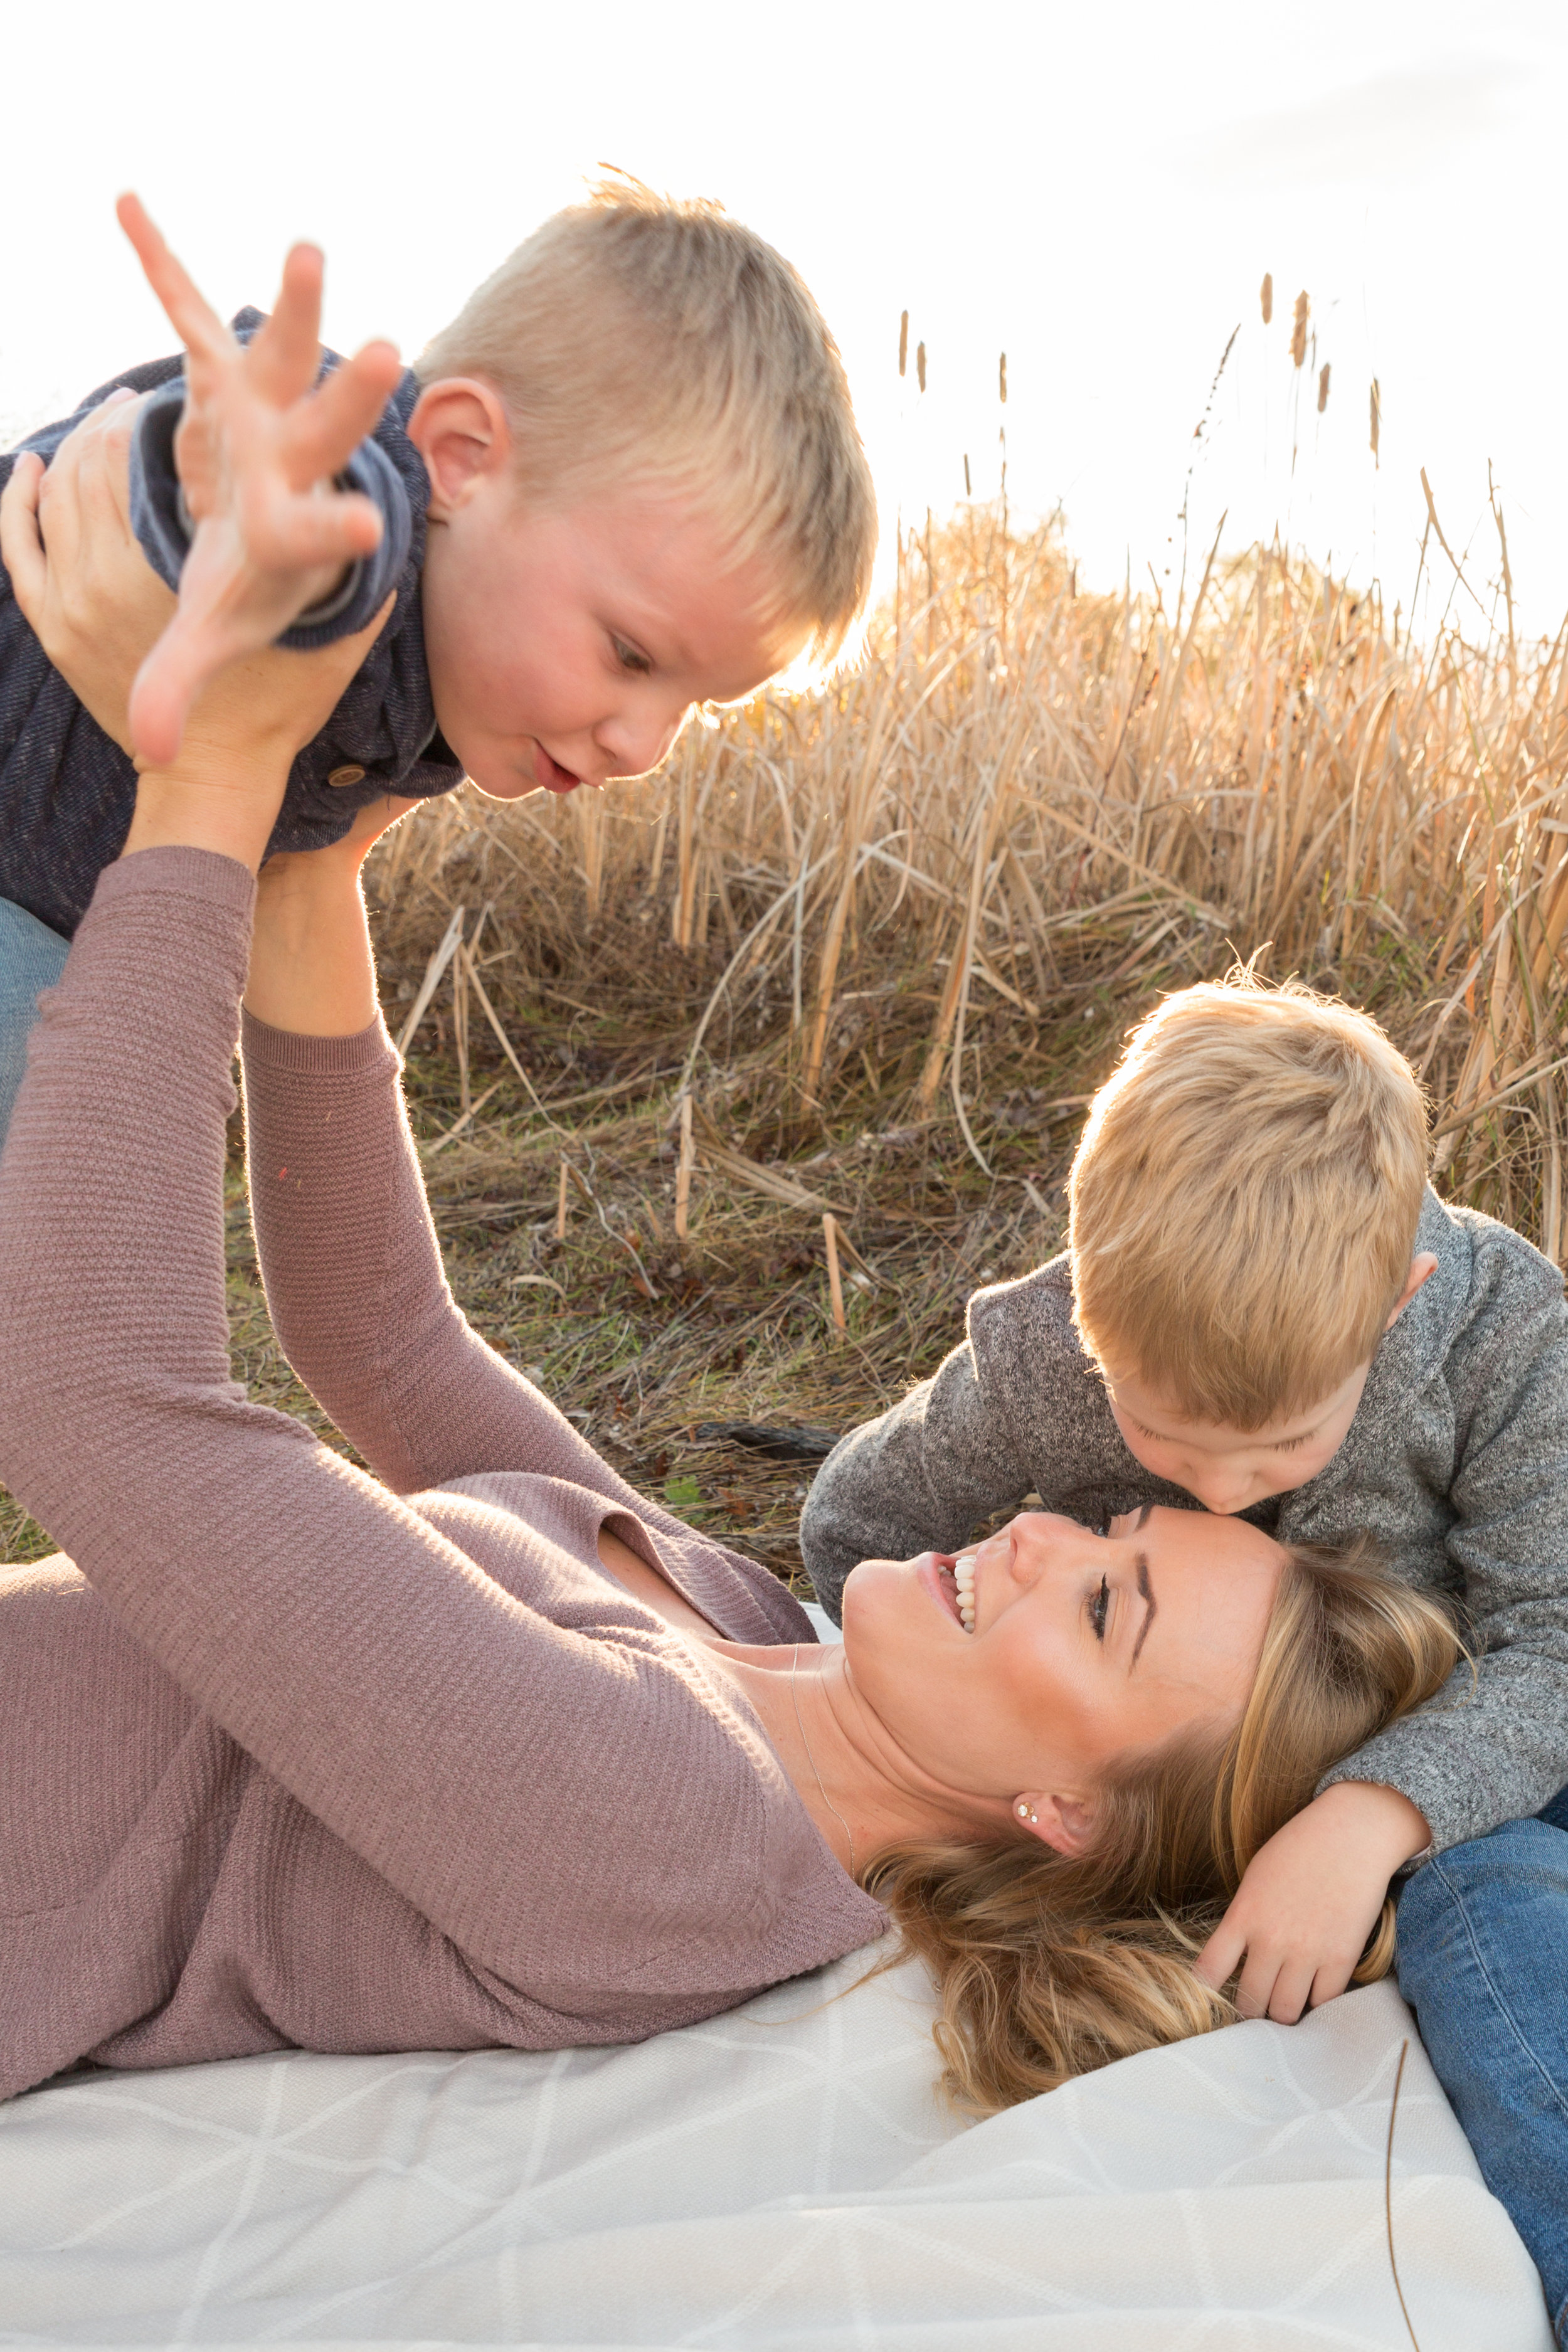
(1048, 1965)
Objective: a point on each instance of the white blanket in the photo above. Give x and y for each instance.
(782, 2180)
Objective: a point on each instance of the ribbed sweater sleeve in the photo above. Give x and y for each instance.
(362, 1309)
(457, 1739)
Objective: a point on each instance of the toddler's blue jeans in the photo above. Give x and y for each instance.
(1483, 1961)
(32, 957)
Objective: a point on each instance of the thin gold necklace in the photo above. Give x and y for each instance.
(811, 1759)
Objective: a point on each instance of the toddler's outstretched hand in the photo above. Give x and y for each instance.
(257, 451)
(1311, 1897)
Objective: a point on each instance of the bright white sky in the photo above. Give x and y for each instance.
(1097, 190)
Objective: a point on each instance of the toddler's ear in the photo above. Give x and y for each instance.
(460, 429)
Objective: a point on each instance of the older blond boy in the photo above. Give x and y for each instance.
(624, 481)
(1264, 1309)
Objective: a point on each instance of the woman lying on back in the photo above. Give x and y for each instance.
(477, 1746)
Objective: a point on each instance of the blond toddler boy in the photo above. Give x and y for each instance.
(1265, 1309)
(624, 482)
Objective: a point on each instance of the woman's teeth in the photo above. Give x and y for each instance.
(963, 1577)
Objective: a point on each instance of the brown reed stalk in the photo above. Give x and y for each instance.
(835, 1283)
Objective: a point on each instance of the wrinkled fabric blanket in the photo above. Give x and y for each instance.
(780, 2179)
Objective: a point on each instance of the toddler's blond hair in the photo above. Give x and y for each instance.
(643, 343)
(1245, 1200)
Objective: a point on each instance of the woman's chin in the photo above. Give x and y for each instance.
(887, 1602)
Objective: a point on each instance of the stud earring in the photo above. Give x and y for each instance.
(1027, 1812)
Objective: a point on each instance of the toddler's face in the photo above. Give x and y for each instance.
(1230, 1469)
(567, 646)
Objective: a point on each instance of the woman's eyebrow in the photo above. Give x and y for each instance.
(1146, 1588)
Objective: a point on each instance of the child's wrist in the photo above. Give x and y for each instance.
(1377, 1814)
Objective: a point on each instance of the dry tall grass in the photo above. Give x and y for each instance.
(867, 951)
(888, 898)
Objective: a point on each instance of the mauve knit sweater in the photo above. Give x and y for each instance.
(293, 1753)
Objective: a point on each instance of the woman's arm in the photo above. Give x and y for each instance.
(355, 1286)
(565, 1795)
(560, 1798)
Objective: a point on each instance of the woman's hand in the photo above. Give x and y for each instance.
(92, 600)
(96, 605)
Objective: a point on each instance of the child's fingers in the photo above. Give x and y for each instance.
(161, 697)
(1223, 1954)
(308, 534)
(21, 544)
(284, 353)
(1254, 1986)
(1290, 1992)
(193, 649)
(1330, 1981)
(190, 314)
(324, 432)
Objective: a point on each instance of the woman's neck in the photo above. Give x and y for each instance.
(861, 1789)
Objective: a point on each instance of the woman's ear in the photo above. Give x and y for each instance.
(460, 427)
(1057, 1820)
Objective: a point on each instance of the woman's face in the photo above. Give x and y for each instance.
(1085, 1646)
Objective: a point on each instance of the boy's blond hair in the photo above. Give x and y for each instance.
(1245, 1200)
(641, 342)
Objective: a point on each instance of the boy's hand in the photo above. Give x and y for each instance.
(257, 451)
(1309, 1899)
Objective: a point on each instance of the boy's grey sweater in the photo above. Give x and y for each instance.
(1457, 1464)
(66, 791)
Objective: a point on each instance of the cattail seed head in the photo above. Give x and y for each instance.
(920, 365)
(1299, 331)
(1004, 379)
(1322, 387)
(904, 344)
(1265, 296)
(1377, 420)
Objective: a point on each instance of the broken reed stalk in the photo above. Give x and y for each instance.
(835, 1286)
(683, 1171)
(1114, 808)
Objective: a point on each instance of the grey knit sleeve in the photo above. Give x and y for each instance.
(1495, 1747)
(915, 1479)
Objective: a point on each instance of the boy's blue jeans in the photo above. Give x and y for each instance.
(1483, 1961)
(32, 957)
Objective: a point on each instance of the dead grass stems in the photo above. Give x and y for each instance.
(863, 953)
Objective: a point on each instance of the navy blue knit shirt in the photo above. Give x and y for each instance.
(66, 791)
